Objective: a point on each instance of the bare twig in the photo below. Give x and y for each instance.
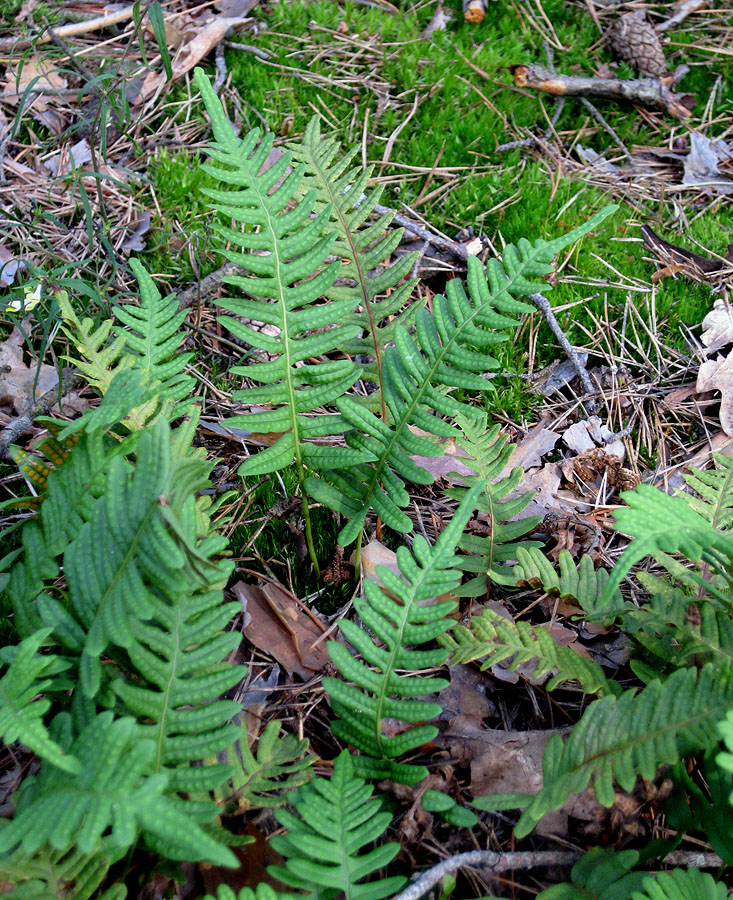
(487, 859)
(67, 31)
(648, 91)
(604, 124)
(543, 304)
(687, 9)
(207, 286)
(435, 239)
(24, 424)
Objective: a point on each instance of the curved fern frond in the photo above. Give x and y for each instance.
(54, 875)
(725, 760)
(448, 350)
(715, 487)
(493, 638)
(363, 250)
(622, 737)
(280, 765)
(285, 253)
(669, 627)
(373, 691)
(583, 584)
(488, 453)
(113, 791)
(21, 716)
(152, 336)
(681, 884)
(600, 874)
(337, 817)
(647, 518)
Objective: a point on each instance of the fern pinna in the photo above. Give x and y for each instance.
(285, 253)
(373, 690)
(449, 349)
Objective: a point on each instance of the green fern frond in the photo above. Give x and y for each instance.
(152, 336)
(715, 487)
(666, 626)
(488, 453)
(342, 188)
(448, 809)
(373, 691)
(263, 891)
(336, 818)
(681, 884)
(54, 875)
(113, 791)
(725, 760)
(493, 638)
(647, 519)
(285, 251)
(21, 716)
(583, 584)
(448, 350)
(600, 874)
(618, 738)
(281, 765)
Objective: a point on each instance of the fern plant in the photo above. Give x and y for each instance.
(487, 454)
(342, 189)
(492, 638)
(334, 819)
(373, 690)
(449, 350)
(57, 875)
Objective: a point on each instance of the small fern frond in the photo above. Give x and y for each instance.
(493, 639)
(55, 875)
(681, 884)
(725, 760)
(715, 487)
(364, 275)
(600, 874)
(152, 336)
(336, 818)
(22, 710)
(647, 518)
(488, 453)
(263, 891)
(285, 253)
(448, 350)
(622, 737)
(113, 791)
(373, 691)
(670, 628)
(281, 765)
(583, 584)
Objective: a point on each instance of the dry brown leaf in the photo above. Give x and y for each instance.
(717, 374)
(466, 697)
(530, 450)
(376, 554)
(191, 53)
(279, 627)
(18, 385)
(718, 325)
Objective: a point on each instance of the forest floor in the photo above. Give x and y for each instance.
(100, 159)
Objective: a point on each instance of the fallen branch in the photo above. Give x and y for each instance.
(24, 424)
(648, 91)
(70, 30)
(687, 8)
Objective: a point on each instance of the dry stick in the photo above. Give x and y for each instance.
(487, 859)
(543, 304)
(648, 91)
(67, 31)
(436, 240)
(604, 124)
(691, 6)
(23, 424)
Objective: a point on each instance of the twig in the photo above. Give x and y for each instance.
(221, 68)
(543, 304)
(248, 48)
(487, 859)
(207, 286)
(648, 91)
(23, 424)
(67, 31)
(604, 124)
(436, 240)
(691, 6)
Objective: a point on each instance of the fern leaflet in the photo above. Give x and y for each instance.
(336, 818)
(620, 737)
(448, 350)
(55, 875)
(493, 639)
(373, 690)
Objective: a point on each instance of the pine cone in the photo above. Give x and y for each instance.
(636, 42)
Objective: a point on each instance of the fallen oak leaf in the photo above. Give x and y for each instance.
(717, 374)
